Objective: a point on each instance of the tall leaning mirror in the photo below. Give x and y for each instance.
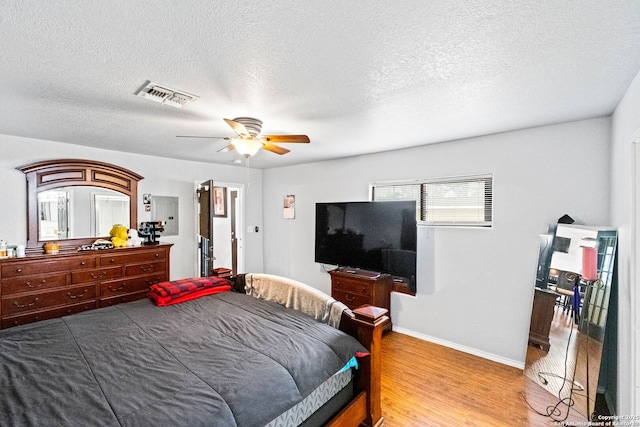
(569, 315)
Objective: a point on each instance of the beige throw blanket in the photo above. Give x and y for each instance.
(296, 295)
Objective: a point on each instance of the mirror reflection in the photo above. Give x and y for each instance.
(569, 314)
(79, 212)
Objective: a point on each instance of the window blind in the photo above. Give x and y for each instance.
(457, 201)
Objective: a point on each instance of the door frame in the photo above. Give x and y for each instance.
(202, 252)
(634, 275)
(240, 221)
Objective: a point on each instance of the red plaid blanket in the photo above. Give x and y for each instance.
(176, 291)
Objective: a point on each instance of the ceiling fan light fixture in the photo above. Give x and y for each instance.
(247, 147)
(253, 125)
(249, 140)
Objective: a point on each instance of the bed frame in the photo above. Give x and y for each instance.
(366, 325)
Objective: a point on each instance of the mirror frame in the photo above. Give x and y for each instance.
(576, 355)
(51, 174)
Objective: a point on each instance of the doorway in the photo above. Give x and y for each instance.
(220, 215)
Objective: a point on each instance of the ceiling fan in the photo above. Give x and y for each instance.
(250, 140)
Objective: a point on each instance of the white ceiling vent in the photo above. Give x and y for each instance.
(165, 95)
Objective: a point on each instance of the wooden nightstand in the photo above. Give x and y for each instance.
(356, 288)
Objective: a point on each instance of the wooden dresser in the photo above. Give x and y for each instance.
(544, 302)
(40, 287)
(356, 288)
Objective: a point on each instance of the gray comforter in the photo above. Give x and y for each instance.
(223, 360)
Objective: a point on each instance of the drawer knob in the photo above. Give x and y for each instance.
(157, 255)
(76, 296)
(112, 260)
(18, 270)
(31, 304)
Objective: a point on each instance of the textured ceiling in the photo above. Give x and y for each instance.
(356, 76)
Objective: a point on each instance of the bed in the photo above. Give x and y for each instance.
(274, 353)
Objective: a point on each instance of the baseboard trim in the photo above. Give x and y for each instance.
(462, 348)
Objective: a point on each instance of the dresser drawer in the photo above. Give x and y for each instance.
(47, 314)
(352, 286)
(351, 300)
(128, 258)
(128, 285)
(32, 283)
(96, 275)
(148, 268)
(106, 302)
(39, 300)
(21, 269)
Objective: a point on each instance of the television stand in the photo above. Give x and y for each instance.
(350, 270)
(355, 288)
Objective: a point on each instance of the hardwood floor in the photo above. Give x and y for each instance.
(425, 384)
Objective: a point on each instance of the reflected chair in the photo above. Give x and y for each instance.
(567, 280)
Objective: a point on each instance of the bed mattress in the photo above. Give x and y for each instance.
(224, 360)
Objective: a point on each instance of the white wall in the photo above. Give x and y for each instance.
(625, 131)
(475, 286)
(162, 177)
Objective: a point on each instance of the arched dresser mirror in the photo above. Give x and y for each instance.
(569, 315)
(73, 202)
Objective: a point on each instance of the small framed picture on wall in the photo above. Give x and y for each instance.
(220, 201)
(289, 207)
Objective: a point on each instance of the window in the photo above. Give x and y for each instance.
(460, 201)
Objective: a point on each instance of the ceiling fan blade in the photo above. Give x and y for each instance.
(238, 128)
(227, 148)
(285, 138)
(274, 148)
(204, 137)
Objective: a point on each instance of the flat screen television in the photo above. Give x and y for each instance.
(376, 236)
